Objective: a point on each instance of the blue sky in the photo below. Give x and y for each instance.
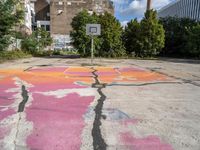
(125, 10)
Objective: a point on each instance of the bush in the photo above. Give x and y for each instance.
(111, 37)
(11, 55)
(193, 44)
(131, 38)
(65, 52)
(34, 43)
(144, 39)
(177, 33)
(30, 44)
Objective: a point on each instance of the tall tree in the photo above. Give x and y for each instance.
(193, 43)
(152, 34)
(177, 31)
(131, 37)
(81, 41)
(10, 17)
(111, 36)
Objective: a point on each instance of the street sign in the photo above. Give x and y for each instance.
(93, 29)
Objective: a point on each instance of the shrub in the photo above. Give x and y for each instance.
(177, 32)
(131, 37)
(193, 44)
(144, 39)
(152, 35)
(11, 55)
(111, 37)
(37, 41)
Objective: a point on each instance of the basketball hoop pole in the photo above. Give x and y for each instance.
(93, 30)
(92, 49)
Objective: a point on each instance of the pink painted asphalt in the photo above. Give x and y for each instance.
(58, 123)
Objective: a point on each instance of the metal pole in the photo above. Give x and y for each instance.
(92, 50)
(148, 4)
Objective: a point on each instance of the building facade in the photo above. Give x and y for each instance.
(182, 9)
(25, 26)
(56, 16)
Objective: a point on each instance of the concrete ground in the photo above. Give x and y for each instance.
(66, 104)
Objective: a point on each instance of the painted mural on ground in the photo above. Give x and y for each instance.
(46, 108)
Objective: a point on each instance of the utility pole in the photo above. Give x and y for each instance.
(148, 4)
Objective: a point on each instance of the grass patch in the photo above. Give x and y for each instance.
(13, 55)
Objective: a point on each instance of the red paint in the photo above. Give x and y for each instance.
(80, 74)
(148, 143)
(6, 113)
(58, 123)
(52, 69)
(6, 98)
(106, 73)
(53, 87)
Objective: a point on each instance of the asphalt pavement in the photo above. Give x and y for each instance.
(114, 104)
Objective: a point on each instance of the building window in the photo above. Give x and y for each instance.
(60, 3)
(69, 3)
(47, 27)
(43, 26)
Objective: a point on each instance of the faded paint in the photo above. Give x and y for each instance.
(150, 142)
(58, 100)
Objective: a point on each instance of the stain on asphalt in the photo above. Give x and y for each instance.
(98, 141)
(25, 99)
(29, 68)
(46, 65)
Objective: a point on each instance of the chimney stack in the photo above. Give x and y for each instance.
(148, 4)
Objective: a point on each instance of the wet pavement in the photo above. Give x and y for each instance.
(115, 105)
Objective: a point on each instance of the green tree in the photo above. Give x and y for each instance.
(131, 37)
(81, 41)
(37, 41)
(152, 35)
(193, 44)
(177, 31)
(10, 17)
(111, 36)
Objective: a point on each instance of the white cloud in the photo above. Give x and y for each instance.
(124, 23)
(138, 7)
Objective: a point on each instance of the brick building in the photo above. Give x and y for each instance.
(56, 15)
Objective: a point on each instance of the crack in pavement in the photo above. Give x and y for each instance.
(21, 107)
(177, 78)
(28, 69)
(17, 132)
(171, 76)
(98, 141)
(25, 99)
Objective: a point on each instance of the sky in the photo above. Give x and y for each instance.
(125, 10)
